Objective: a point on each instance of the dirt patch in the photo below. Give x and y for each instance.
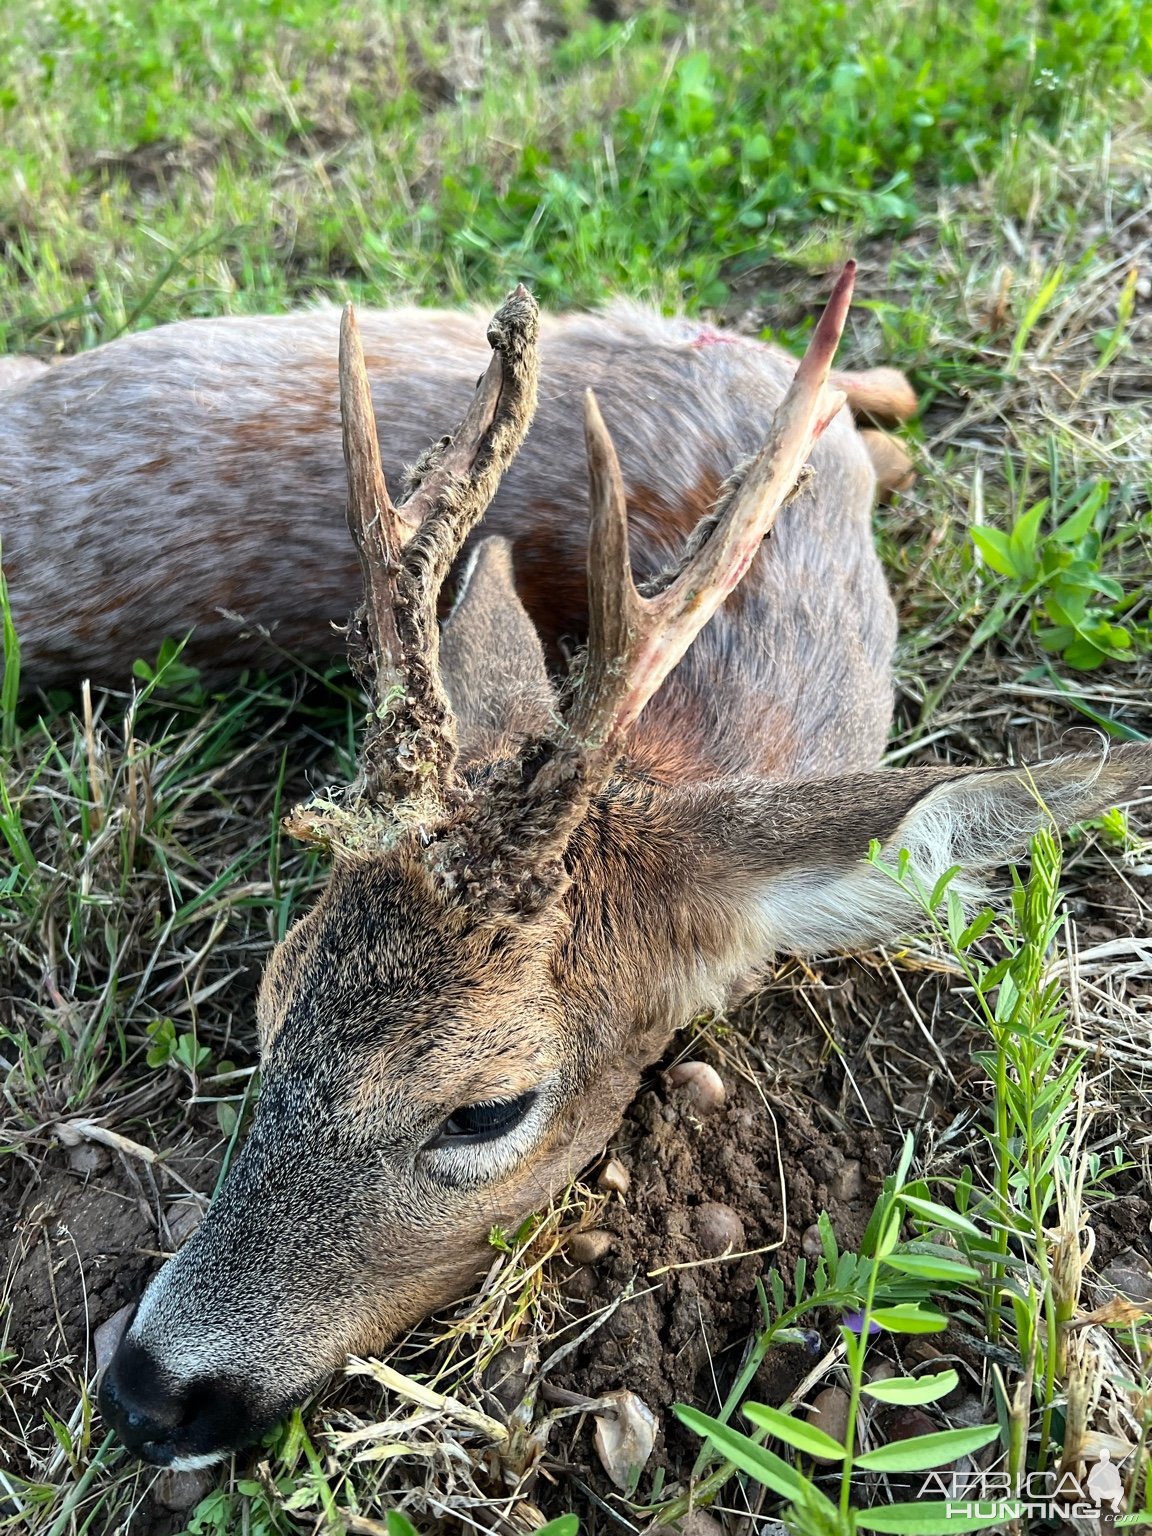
(87, 1227)
(81, 1231)
(683, 1335)
(82, 1250)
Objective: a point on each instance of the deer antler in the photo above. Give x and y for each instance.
(408, 759)
(634, 641)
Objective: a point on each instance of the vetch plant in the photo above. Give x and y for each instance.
(1015, 1246)
(888, 1265)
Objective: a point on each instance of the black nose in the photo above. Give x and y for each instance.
(163, 1420)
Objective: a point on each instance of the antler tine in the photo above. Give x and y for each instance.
(635, 641)
(616, 612)
(372, 519)
(406, 552)
(456, 481)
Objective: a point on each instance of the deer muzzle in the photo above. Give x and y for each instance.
(172, 1422)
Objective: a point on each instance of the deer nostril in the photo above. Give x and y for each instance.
(140, 1403)
(166, 1421)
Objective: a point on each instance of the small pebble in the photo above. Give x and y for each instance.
(882, 1370)
(718, 1229)
(89, 1158)
(698, 1522)
(183, 1219)
(829, 1412)
(1131, 1275)
(178, 1491)
(506, 1377)
(847, 1183)
(108, 1336)
(581, 1284)
(967, 1413)
(699, 1085)
(811, 1243)
(614, 1177)
(906, 1424)
(589, 1247)
(625, 1436)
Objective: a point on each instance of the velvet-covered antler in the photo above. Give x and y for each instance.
(408, 758)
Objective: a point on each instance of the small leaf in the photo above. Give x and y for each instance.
(908, 1318)
(1079, 523)
(955, 918)
(942, 885)
(1083, 656)
(913, 1391)
(993, 545)
(927, 1451)
(906, 1152)
(776, 1285)
(926, 1518)
(890, 1236)
(977, 928)
(797, 1433)
(925, 1266)
(941, 1216)
(400, 1525)
(828, 1246)
(742, 1452)
(1022, 541)
(563, 1525)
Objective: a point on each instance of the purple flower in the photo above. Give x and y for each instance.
(855, 1321)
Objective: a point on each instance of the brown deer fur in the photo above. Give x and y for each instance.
(731, 823)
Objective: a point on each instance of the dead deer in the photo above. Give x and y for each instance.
(532, 887)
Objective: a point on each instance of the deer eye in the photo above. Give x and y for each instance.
(484, 1121)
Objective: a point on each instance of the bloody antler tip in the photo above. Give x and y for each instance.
(826, 337)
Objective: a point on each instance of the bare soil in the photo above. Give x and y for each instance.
(683, 1337)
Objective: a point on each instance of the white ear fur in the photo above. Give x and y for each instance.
(977, 821)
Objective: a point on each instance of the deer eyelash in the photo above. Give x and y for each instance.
(468, 1159)
(484, 1120)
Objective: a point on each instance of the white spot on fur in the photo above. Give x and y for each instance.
(195, 1463)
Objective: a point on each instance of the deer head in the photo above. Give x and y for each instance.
(516, 919)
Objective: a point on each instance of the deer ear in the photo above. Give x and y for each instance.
(788, 862)
(491, 660)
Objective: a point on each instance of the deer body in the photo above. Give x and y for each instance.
(531, 888)
(212, 485)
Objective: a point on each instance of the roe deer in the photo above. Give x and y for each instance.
(531, 889)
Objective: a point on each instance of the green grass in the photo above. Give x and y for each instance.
(989, 165)
(181, 158)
